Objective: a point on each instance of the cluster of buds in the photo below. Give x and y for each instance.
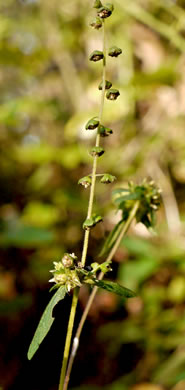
(103, 11)
(64, 272)
(153, 194)
(148, 195)
(86, 181)
(71, 273)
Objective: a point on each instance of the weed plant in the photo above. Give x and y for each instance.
(136, 203)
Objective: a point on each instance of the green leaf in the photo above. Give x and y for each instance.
(45, 322)
(120, 190)
(110, 240)
(132, 196)
(115, 288)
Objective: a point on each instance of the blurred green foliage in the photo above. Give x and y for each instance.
(48, 92)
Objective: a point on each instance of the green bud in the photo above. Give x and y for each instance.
(104, 131)
(96, 23)
(95, 267)
(60, 278)
(112, 94)
(97, 218)
(114, 51)
(85, 181)
(92, 123)
(88, 224)
(74, 278)
(67, 260)
(107, 178)
(104, 12)
(108, 85)
(97, 151)
(96, 55)
(97, 4)
(106, 266)
(91, 222)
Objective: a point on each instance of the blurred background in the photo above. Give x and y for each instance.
(48, 92)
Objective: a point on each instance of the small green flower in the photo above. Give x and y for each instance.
(91, 222)
(85, 181)
(104, 131)
(96, 23)
(148, 196)
(114, 51)
(108, 85)
(96, 55)
(107, 178)
(97, 151)
(59, 275)
(58, 278)
(64, 275)
(104, 12)
(92, 123)
(97, 4)
(88, 224)
(97, 218)
(112, 94)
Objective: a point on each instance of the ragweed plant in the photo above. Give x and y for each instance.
(136, 202)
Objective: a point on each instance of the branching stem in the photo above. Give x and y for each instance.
(63, 384)
(91, 298)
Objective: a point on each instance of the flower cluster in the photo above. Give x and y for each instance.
(148, 195)
(64, 272)
(71, 273)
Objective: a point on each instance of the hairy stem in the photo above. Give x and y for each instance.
(62, 385)
(91, 298)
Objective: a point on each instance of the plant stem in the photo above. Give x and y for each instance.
(91, 298)
(68, 338)
(62, 385)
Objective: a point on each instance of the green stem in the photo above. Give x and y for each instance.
(91, 298)
(68, 338)
(62, 385)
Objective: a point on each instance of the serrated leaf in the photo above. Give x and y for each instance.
(45, 322)
(115, 288)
